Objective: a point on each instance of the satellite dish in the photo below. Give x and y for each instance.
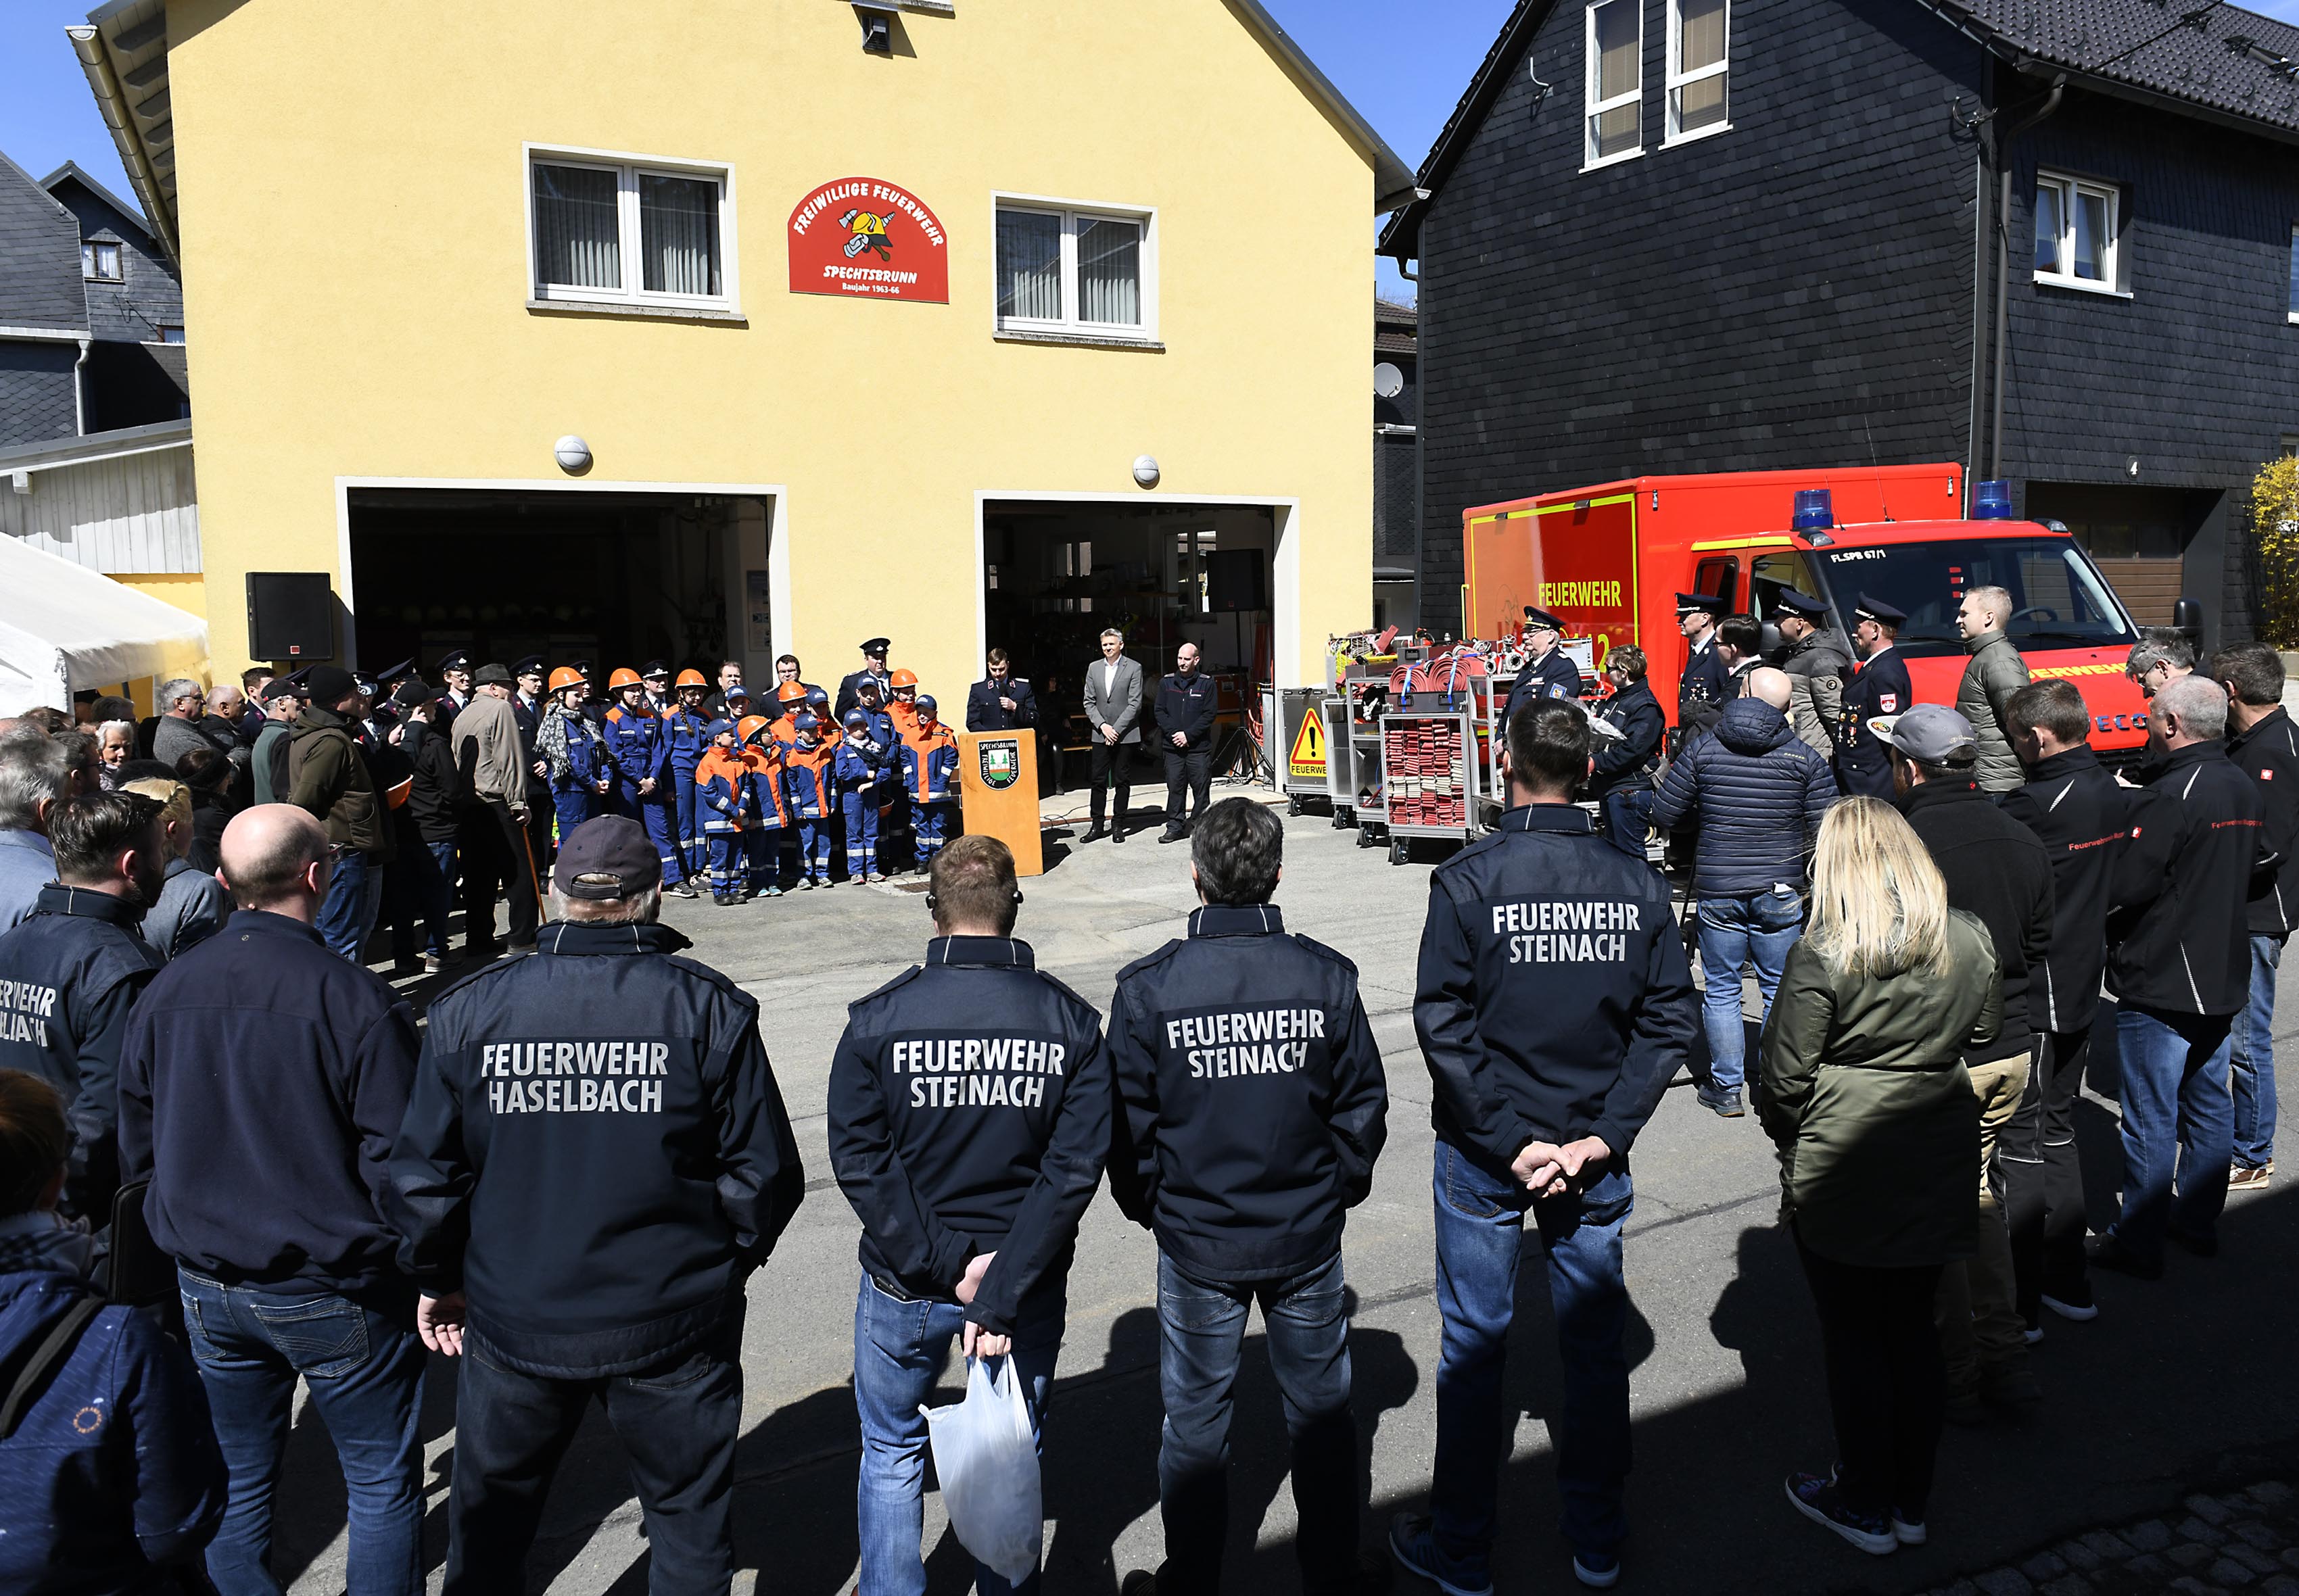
(1388, 380)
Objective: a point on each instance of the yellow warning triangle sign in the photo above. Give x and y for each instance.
(1308, 756)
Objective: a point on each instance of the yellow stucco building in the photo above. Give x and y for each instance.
(871, 318)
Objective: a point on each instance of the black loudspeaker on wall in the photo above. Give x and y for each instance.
(291, 615)
(1233, 580)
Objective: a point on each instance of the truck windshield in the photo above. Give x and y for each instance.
(2058, 599)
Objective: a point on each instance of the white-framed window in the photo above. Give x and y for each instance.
(609, 229)
(170, 333)
(99, 262)
(2294, 312)
(2078, 234)
(1065, 267)
(1616, 47)
(1699, 51)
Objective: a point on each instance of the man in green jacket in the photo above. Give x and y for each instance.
(1990, 677)
(327, 778)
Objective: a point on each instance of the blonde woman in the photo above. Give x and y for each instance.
(1862, 1087)
(193, 905)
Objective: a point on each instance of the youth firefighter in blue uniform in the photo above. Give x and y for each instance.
(929, 753)
(1553, 1006)
(722, 795)
(641, 752)
(970, 1118)
(862, 770)
(580, 776)
(812, 784)
(1252, 1106)
(594, 1158)
(1863, 764)
(688, 731)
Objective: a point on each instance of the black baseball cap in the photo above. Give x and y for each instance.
(609, 857)
(326, 684)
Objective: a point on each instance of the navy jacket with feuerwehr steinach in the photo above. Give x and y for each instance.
(1554, 1000)
(2178, 938)
(69, 971)
(969, 1113)
(1251, 1102)
(596, 1154)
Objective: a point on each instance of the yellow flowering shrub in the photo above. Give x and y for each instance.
(2275, 524)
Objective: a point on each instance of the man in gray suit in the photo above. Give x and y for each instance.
(1113, 708)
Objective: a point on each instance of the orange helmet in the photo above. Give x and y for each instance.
(625, 677)
(690, 678)
(790, 692)
(565, 678)
(750, 726)
(901, 679)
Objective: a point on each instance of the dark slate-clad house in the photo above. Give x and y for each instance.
(91, 312)
(1680, 236)
(1396, 459)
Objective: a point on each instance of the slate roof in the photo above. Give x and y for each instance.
(39, 257)
(2202, 58)
(1395, 327)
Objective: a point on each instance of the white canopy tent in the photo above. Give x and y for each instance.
(63, 627)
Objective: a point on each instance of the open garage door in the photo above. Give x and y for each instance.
(614, 577)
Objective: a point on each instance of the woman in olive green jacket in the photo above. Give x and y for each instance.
(1862, 1087)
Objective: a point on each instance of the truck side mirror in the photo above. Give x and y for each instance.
(1773, 644)
(2188, 616)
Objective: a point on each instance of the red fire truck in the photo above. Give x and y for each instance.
(1609, 560)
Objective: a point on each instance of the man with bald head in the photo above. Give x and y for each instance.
(1756, 790)
(260, 1086)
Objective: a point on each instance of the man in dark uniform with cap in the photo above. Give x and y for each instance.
(1700, 689)
(1548, 673)
(657, 675)
(455, 671)
(1816, 659)
(1864, 766)
(874, 665)
(594, 1160)
(526, 706)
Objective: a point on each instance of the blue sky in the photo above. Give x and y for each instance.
(1402, 62)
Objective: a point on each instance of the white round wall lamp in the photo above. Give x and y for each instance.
(1145, 470)
(573, 455)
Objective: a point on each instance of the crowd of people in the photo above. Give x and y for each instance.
(333, 1191)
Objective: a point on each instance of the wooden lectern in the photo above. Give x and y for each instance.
(998, 789)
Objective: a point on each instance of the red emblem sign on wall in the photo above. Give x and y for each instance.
(868, 239)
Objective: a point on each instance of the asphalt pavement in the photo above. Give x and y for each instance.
(2182, 1385)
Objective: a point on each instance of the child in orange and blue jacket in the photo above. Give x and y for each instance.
(770, 809)
(809, 778)
(722, 791)
(865, 762)
(929, 756)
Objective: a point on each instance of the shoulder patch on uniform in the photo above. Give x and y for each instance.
(911, 974)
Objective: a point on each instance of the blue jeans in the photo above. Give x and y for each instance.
(1733, 930)
(431, 872)
(343, 920)
(1628, 819)
(1480, 1239)
(2251, 1058)
(899, 1348)
(365, 1372)
(1201, 1326)
(2178, 1127)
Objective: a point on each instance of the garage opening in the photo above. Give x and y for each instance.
(2138, 536)
(1055, 573)
(612, 578)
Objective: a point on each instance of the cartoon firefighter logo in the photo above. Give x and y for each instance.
(869, 233)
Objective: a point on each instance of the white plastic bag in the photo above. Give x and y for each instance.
(988, 1465)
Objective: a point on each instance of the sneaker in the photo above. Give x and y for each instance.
(774, 890)
(806, 883)
(1817, 1500)
(1413, 1544)
(877, 875)
(684, 889)
(433, 963)
(2109, 1254)
(2031, 1334)
(1724, 1105)
(1905, 1531)
(2251, 1177)
(1598, 1570)
(2081, 1309)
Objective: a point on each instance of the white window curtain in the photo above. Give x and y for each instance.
(1030, 265)
(1109, 272)
(577, 228)
(678, 234)
(1615, 46)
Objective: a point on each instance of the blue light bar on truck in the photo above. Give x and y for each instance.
(1813, 510)
(1992, 500)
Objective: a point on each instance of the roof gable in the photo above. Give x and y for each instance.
(71, 173)
(40, 288)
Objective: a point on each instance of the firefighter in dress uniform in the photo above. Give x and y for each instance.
(527, 704)
(1548, 673)
(874, 668)
(1864, 766)
(1700, 689)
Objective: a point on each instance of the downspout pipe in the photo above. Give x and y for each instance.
(2003, 261)
(79, 389)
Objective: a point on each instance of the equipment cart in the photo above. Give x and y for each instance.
(1430, 778)
(1299, 748)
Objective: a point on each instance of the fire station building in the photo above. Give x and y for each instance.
(546, 327)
